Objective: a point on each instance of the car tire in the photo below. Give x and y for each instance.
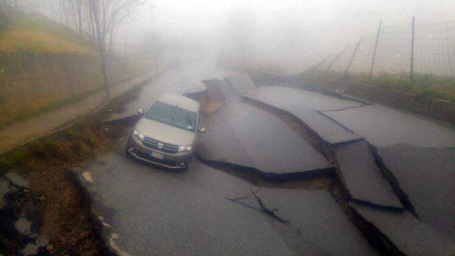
(127, 152)
(187, 167)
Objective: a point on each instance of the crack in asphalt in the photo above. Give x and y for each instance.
(343, 109)
(267, 211)
(393, 181)
(335, 121)
(263, 208)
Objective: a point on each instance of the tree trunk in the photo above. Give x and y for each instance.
(101, 35)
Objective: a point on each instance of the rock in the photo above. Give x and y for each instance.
(17, 180)
(42, 241)
(30, 249)
(23, 226)
(49, 248)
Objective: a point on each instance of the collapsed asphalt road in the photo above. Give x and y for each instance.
(204, 211)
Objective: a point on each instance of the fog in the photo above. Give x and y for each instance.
(291, 34)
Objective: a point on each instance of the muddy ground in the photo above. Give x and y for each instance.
(54, 201)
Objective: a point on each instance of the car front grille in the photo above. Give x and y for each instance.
(165, 162)
(167, 148)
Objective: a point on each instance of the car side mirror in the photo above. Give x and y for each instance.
(140, 111)
(202, 130)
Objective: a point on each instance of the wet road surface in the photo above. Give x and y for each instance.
(427, 176)
(305, 106)
(384, 126)
(243, 135)
(147, 211)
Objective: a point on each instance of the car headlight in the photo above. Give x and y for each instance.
(185, 148)
(139, 135)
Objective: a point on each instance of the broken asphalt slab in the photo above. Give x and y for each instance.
(154, 212)
(407, 233)
(362, 177)
(427, 177)
(220, 90)
(214, 90)
(244, 135)
(187, 79)
(311, 222)
(281, 96)
(383, 126)
(241, 83)
(287, 99)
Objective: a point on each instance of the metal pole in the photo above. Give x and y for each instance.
(448, 48)
(412, 51)
(335, 60)
(353, 56)
(375, 48)
(316, 67)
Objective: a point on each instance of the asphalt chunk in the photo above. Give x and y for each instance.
(241, 83)
(243, 135)
(296, 103)
(362, 177)
(426, 175)
(407, 233)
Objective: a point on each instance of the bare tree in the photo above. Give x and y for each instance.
(107, 15)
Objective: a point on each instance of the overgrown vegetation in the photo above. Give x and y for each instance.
(53, 106)
(424, 86)
(45, 66)
(35, 33)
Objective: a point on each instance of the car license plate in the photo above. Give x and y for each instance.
(157, 155)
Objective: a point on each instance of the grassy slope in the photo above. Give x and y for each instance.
(426, 86)
(37, 34)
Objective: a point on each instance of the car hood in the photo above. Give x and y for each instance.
(164, 132)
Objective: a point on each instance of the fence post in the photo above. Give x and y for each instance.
(315, 68)
(338, 56)
(412, 52)
(375, 48)
(353, 56)
(448, 48)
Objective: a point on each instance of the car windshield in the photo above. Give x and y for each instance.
(172, 115)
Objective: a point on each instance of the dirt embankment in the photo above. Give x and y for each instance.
(53, 202)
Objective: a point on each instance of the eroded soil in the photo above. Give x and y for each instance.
(54, 202)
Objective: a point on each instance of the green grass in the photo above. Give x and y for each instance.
(424, 86)
(13, 158)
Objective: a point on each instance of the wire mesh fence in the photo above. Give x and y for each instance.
(434, 51)
(413, 57)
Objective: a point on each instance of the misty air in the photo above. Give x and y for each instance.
(227, 127)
